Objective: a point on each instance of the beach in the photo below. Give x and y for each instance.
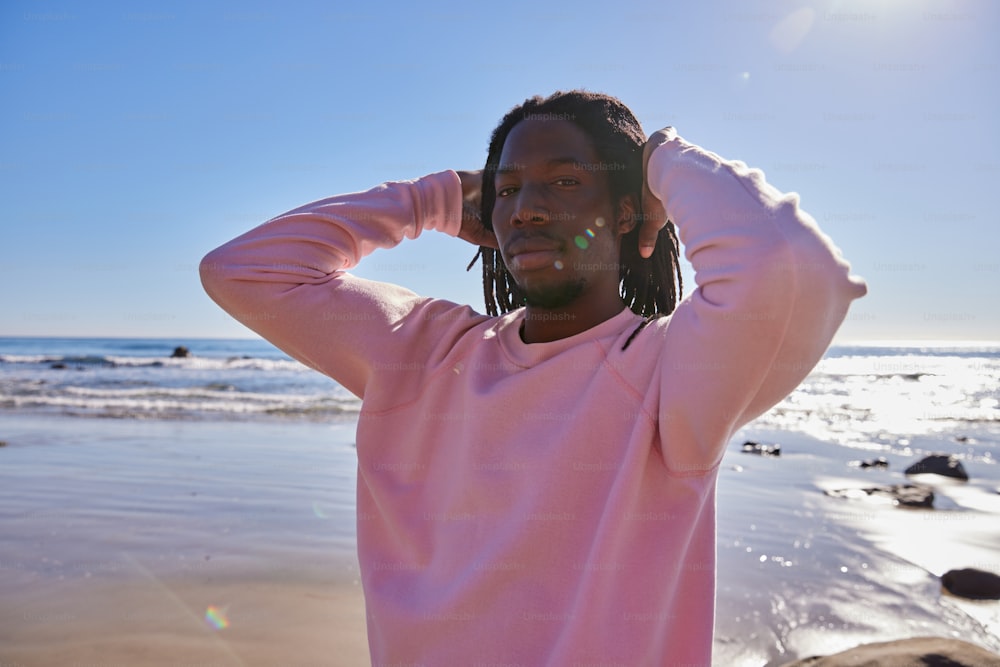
(138, 532)
(121, 536)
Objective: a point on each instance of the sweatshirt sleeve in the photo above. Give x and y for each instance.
(287, 280)
(771, 291)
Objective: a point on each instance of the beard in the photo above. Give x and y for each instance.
(554, 296)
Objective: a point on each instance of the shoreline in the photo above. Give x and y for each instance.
(802, 573)
(124, 537)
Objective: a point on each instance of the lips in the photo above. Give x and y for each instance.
(533, 252)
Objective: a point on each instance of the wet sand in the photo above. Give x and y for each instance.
(801, 573)
(140, 619)
(178, 543)
(224, 543)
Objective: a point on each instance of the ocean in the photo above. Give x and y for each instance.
(137, 378)
(857, 396)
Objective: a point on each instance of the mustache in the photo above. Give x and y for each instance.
(552, 239)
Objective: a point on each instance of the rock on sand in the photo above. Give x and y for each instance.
(901, 495)
(750, 447)
(915, 652)
(939, 464)
(972, 583)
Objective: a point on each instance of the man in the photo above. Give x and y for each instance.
(537, 486)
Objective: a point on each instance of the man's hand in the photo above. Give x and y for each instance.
(654, 216)
(472, 227)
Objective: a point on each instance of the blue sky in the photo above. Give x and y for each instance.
(136, 136)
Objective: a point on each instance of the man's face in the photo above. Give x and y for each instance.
(553, 216)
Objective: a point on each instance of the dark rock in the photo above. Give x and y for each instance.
(912, 652)
(880, 462)
(59, 366)
(3, 443)
(908, 495)
(902, 495)
(180, 352)
(972, 583)
(750, 447)
(939, 464)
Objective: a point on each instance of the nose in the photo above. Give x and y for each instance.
(530, 207)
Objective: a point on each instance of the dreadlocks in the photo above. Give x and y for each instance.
(650, 287)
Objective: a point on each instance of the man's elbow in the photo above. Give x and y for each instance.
(214, 274)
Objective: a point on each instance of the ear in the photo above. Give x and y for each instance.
(628, 211)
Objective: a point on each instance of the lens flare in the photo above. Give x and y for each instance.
(581, 242)
(216, 617)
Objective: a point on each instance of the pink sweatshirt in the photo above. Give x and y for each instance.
(551, 503)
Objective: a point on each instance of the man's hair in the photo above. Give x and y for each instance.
(648, 286)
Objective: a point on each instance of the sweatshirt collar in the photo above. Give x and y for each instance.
(529, 354)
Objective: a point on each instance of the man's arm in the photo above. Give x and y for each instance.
(286, 279)
(771, 292)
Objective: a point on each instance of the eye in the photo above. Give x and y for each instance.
(567, 181)
(504, 191)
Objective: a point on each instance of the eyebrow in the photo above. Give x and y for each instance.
(551, 162)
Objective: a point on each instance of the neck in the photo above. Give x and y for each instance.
(543, 325)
